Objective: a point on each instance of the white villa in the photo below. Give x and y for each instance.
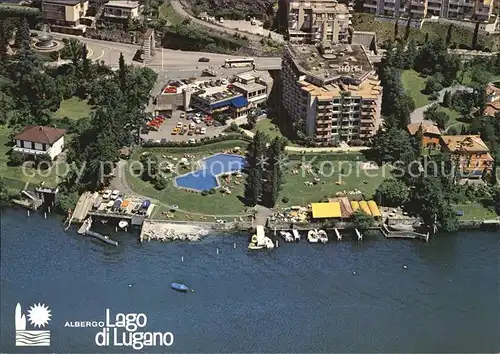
(38, 140)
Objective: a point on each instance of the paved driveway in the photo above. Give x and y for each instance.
(418, 115)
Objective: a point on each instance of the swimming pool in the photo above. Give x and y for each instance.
(206, 177)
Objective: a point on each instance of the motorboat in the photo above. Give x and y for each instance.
(254, 246)
(322, 236)
(180, 287)
(269, 243)
(296, 235)
(123, 224)
(286, 236)
(312, 236)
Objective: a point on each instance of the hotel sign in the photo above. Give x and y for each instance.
(349, 68)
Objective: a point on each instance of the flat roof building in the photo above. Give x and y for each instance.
(312, 21)
(331, 92)
(121, 10)
(66, 13)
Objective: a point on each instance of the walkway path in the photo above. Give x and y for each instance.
(418, 114)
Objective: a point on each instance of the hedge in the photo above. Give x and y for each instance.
(203, 141)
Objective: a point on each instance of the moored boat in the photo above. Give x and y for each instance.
(296, 235)
(322, 236)
(123, 224)
(312, 236)
(286, 236)
(179, 287)
(269, 243)
(254, 246)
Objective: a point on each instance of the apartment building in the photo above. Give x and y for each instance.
(313, 21)
(478, 10)
(64, 12)
(331, 92)
(121, 10)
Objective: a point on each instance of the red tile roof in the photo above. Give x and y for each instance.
(426, 126)
(492, 108)
(40, 134)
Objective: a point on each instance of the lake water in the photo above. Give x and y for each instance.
(342, 297)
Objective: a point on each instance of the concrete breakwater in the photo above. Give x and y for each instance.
(165, 231)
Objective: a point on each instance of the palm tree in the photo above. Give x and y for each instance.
(73, 50)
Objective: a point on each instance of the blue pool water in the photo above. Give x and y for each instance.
(206, 178)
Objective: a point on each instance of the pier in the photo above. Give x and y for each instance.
(403, 234)
(85, 230)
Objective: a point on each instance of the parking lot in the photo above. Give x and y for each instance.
(188, 130)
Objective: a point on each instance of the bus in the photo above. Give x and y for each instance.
(239, 63)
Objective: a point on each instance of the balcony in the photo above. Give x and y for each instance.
(366, 121)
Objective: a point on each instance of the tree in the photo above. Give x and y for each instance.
(446, 99)
(497, 201)
(274, 172)
(73, 50)
(432, 85)
(475, 36)
(23, 39)
(426, 37)
(407, 29)
(441, 118)
(256, 157)
(392, 145)
(122, 73)
(396, 29)
(392, 192)
(4, 194)
(86, 61)
(449, 34)
(16, 158)
(362, 221)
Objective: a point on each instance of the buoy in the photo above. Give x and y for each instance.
(182, 259)
(354, 273)
(234, 246)
(130, 285)
(405, 267)
(217, 251)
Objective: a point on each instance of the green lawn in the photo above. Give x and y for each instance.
(219, 204)
(352, 178)
(73, 108)
(167, 13)
(385, 30)
(454, 118)
(268, 127)
(414, 84)
(14, 176)
(474, 212)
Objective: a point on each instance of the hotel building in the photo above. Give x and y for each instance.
(331, 92)
(477, 10)
(313, 21)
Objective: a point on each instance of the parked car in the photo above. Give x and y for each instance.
(186, 127)
(204, 60)
(115, 194)
(190, 132)
(179, 125)
(163, 141)
(106, 194)
(182, 132)
(198, 130)
(203, 130)
(175, 131)
(192, 141)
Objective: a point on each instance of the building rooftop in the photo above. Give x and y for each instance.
(320, 6)
(369, 89)
(40, 134)
(329, 62)
(249, 87)
(427, 127)
(468, 143)
(65, 2)
(123, 4)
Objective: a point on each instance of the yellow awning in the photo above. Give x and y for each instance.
(354, 205)
(374, 208)
(364, 207)
(326, 210)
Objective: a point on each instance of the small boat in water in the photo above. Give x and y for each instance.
(322, 236)
(296, 235)
(312, 236)
(269, 243)
(286, 236)
(254, 246)
(180, 287)
(123, 224)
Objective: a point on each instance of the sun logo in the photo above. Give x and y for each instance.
(38, 317)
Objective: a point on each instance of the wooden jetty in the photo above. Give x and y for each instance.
(403, 234)
(85, 230)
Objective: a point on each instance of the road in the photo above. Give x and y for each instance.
(182, 63)
(418, 115)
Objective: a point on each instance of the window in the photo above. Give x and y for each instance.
(33, 145)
